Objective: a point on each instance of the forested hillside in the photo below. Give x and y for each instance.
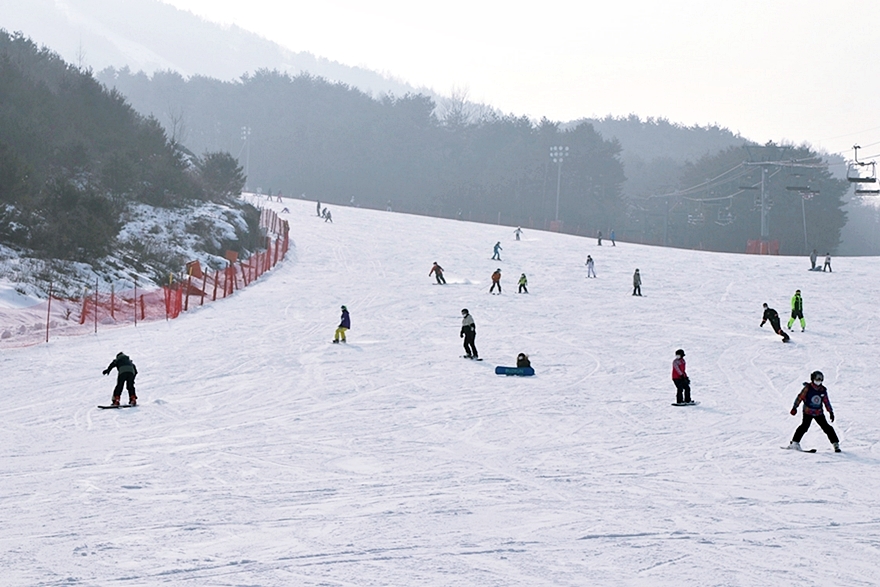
(75, 158)
(337, 144)
(305, 135)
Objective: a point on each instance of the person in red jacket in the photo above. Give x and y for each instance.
(680, 379)
(437, 271)
(815, 396)
(496, 281)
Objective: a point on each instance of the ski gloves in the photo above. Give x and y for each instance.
(106, 371)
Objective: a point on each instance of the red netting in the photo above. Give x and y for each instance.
(104, 307)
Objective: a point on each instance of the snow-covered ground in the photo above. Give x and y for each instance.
(263, 455)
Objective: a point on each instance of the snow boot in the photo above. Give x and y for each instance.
(795, 445)
(335, 342)
(836, 447)
(133, 400)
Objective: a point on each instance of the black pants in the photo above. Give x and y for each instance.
(778, 330)
(637, 290)
(523, 288)
(469, 347)
(494, 283)
(127, 380)
(821, 421)
(440, 278)
(682, 390)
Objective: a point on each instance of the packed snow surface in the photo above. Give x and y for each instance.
(261, 454)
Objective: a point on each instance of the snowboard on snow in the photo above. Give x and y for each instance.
(521, 371)
(471, 358)
(802, 450)
(686, 404)
(117, 407)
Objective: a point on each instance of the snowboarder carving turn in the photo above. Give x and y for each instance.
(126, 372)
(437, 270)
(771, 315)
(814, 396)
(680, 379)
(469, 334)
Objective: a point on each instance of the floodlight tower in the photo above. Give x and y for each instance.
(558, 155)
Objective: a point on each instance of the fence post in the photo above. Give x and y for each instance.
(135, 303)
(49, 311)
(188, 284)
(204, 286)
(96, 306)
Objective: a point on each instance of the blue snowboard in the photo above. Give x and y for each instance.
(522, 371)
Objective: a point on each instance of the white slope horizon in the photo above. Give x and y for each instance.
(261, 454)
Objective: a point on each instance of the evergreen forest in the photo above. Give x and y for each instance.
(307, 137)
(74, 156)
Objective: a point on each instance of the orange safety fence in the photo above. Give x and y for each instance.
(105, 307)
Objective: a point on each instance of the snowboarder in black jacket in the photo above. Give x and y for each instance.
(126, 372)
(771, 315)
(469, 334)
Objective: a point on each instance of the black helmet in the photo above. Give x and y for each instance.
(344, 308)
(817, 375)
(680, 352)
(464, 311)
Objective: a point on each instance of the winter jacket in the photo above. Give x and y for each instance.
(679, 367)
(637, 279)
(797, 303)
(467, 325)
(771, 315)
(814, 397)
(122, 364)
(522, 361)
(496, 277)
(345, 321)
(436, 269)
(523, 280)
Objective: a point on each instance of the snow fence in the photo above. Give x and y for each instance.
(106, 307)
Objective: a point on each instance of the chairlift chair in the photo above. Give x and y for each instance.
(854, 169)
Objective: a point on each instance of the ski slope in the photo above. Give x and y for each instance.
(262, 455)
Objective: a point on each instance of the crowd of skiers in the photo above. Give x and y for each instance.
(813, 395)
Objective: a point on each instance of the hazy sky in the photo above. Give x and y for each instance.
(798, 71)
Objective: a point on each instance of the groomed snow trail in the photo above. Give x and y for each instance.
(263, 455)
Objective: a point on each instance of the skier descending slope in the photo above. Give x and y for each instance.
(815, 396)
(771, 315)
(469, 334)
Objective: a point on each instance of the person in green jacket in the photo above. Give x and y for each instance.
(523, 282)
(797, 310)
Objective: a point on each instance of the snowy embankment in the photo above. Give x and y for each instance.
(263, 455)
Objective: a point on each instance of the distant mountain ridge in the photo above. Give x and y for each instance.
(149, 36)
